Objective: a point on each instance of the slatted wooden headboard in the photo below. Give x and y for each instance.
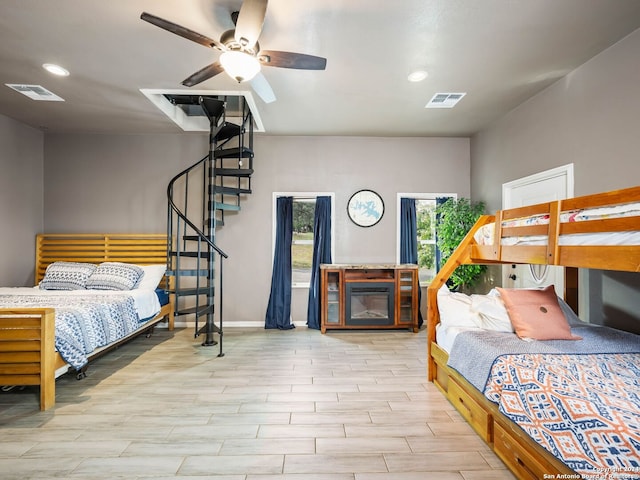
(138, 248)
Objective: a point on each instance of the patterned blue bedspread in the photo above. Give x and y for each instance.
(579, 399)
(83, 323)
(584, 409)
(473, 353)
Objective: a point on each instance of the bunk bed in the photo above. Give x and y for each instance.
(559, 405)
(43, 333)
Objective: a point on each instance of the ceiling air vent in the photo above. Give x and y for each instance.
(444, 100)
(35, 92)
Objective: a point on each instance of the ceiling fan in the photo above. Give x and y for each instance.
(241, 56)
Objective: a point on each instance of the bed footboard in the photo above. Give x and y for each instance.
(27, 351)
(27, 348)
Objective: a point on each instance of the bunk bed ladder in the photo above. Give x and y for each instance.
(198, 199)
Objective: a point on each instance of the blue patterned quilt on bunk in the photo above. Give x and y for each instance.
(87, 319)
(580, 399)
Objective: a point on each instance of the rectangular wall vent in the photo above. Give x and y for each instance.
(444, 100)
(35, 92)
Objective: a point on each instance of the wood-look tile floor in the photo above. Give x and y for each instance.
(280, 405)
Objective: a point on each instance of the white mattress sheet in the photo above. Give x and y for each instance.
(146, 301)
(601, 238)
(484, 236)
(445, 336)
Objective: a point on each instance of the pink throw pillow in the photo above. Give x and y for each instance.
(536, 314)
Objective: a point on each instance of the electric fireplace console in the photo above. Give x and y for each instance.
(369, 296)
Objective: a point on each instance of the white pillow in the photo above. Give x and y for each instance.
(151, 277)
(492, 312)
(455, 309)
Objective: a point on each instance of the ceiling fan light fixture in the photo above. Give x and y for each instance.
(240, 66)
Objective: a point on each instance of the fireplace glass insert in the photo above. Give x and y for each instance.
(369, 303)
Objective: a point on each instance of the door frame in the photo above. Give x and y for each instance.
(565, 171)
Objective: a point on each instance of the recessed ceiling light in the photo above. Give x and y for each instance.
(56, 69)
(417, 76)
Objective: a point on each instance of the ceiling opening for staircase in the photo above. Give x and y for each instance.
(183, 108)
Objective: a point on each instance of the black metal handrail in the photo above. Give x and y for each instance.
(202, 238)
(174, 207)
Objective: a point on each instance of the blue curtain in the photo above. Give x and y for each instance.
(279, 308)
(409, 240)
(439, 201)
(321, 254)
(408, 231)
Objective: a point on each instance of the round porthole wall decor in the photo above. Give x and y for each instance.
(365, 208)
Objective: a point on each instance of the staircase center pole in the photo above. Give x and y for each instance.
(209, 341)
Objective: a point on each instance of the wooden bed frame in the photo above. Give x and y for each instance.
(27, 351)
(524, 457)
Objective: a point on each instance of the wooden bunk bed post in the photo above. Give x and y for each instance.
(497, 235)
(554, 233)
(461, 256)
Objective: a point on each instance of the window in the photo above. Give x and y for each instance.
(425, 226)
(426, 233)
(302, 243)
(304, 205)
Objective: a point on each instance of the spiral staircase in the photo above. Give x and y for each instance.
(199, 198)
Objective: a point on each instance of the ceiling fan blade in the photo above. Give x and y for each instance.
(250, 21)
(203, 74)
(301, 61)
(263, 89)
(182, 31)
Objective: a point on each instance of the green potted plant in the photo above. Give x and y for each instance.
(455, 217)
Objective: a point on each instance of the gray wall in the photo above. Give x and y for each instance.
(113, 184)
(590, 119)
(21, 200)
(117, 183)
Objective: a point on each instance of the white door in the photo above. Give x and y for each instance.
(555, 184)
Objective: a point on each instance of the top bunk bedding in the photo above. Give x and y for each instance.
(485, 235)
(599, 231)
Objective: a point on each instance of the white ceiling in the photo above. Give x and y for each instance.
(500, 52)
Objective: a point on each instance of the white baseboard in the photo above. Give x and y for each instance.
(231, 324)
